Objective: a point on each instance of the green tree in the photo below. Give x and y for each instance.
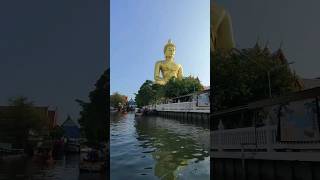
(159, 93)
(117, 98)
(146, 94)
(94, 116)
(150, 93)
(180, 87)
(241, 76)
(21, 118)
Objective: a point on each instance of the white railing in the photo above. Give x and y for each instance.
(199, 103)
(175, 106)
(182, 106)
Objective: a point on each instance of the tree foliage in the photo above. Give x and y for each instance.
(241, 76)
(20, 118)
(150, 92)
(145, 94)
(116, 99)
(180, 87)
(94, 116)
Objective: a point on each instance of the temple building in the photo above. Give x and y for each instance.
(71, 128)
(132, 104)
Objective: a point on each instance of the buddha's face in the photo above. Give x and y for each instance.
(170, 51)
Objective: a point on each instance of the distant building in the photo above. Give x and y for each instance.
(132, 104)
(71, 129)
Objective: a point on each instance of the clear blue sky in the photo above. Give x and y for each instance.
(140, 29)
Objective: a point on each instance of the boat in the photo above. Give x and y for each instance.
(93, 159)
(138, 112)
(73, 145)
(43, 153)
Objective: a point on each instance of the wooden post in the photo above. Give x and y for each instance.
(220, 130)
(269, 133)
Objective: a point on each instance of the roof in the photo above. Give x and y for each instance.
(131, 102)
(231, 110)
(191, 94)
(294, 96)
(69, 123)
(71, 128)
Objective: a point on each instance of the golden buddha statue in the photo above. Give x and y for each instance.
(168, 68)
(221, 36)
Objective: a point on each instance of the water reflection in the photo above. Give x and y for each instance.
(65, 168)
(158, 148)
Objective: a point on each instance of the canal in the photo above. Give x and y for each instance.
(65, 168)
(158, 148)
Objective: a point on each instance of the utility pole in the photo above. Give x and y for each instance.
(269, 79)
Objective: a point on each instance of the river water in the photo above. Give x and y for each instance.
(158, 148)
(140, 148)
(66, 168)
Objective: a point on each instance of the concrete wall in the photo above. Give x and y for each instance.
(202, 119)
(237, 169)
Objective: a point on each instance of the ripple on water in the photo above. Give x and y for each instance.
(153, 148)
(150, 151)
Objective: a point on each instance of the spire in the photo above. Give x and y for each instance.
(258, 39)
(279, 55)
(266, 49)
(281, 44)
(257, 48)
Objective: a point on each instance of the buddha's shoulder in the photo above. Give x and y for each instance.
(179, 65)
(160, 62)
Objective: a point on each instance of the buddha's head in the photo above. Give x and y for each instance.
(169, 49)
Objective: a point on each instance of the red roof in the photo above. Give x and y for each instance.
(52, 114)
